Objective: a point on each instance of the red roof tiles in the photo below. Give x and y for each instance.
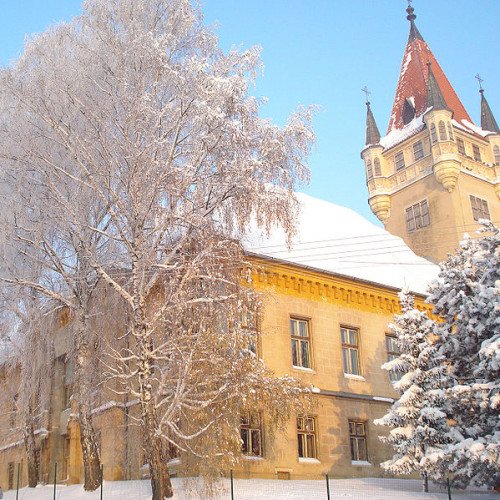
(412, 84)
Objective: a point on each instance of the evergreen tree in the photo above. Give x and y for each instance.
(466, 296)
(419, 426)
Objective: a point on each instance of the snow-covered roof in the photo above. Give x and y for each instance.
(396, 135)
(335, 239)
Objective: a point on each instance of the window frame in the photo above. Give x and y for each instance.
(303, 432)
(418, 150)
(417, 216)
(480, 209)
(476, 153)
(399, 161)
(434, 137)
(377, 171)
(496, 154)
(394, 375)
(355, 437)
(300, 341)
(442, 131)
(369, 170)
(247, 425)
(461, 146)
(348, 348)
(450, 131)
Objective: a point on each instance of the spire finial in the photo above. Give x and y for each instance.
(480, 81)
(411, 16)
(367, 94)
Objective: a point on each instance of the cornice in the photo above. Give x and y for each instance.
(312, 284)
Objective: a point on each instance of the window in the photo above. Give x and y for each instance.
(399, 160)
(393, 352)
(496, 154)
(301, 355)
(357, 437)
(68, 381)
(13, 412)
(442, 131)
(434, 136)
(369, 169)
(306, 435)
(461, 146)
(476, 152)
(248, 321)
(417, 216)
(376, 164)
(450, 131)
(11, 476)
(418, 150)
(251, 435)
(408, 111)
(350, 350)
(479, 208)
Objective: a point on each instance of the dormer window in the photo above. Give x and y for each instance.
(376, 164)
(442, 131)
(408, 111)
(434, 137)
(399, 160)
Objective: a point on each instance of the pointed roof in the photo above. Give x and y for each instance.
(372, 132)
(488, 121)
(435, 98)
(412, 84)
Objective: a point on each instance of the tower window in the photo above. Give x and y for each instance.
(418, 150)
(442, 131)
(434, 137)
(417, 216)
(450, 131)
(496, 153)
(479, 208)
(399, 160)
(376, 164)
(476, 152)
(369, 169)
(461, 146)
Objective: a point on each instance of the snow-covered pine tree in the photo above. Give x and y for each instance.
(467, 297)
(419, 426)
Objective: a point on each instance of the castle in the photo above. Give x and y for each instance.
(327, 301)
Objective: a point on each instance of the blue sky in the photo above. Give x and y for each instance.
(322, 52)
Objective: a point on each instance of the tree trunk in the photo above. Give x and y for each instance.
(90, 450)
(425, 482)
(161, 484)
(32, 453)
(83, 371)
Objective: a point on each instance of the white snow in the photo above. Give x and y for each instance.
(336, 239)
(255, 489)
(399, 135)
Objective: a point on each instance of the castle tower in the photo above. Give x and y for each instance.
(435, 173)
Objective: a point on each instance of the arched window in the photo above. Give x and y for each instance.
(434, 136)
(376, 164)
(450, 131)
(496, 153)
(442, 131)
(369, 169)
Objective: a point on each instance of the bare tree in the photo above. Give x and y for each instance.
(135, 104)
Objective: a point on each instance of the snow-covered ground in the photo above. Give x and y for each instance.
(253, 489)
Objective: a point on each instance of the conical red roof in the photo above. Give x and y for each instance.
(412, 84)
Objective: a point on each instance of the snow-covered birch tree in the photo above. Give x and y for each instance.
(418, 417)
(135, 103)
(466, 296)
